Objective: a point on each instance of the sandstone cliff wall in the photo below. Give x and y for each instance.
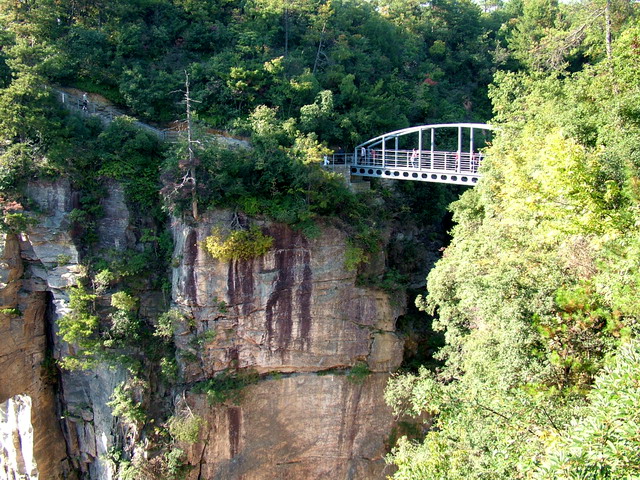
(31, 283)
(295, 311)
(70, 421)
(295, 316)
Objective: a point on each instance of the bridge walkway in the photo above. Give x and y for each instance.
(437, 166)
(374, 158)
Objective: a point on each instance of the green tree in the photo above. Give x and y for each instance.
(602, 441)
(536, 288)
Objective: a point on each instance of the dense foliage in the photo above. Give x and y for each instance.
(536, 298)
(539, 287)
(238, 244)
(346, 69)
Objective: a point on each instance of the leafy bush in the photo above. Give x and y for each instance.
(185, 428)
(175, 465)
(166, 321)
(80, 327)
(354, 257)
(125, 329)
(102, 280)
(238, 245)
(125, 324)
(63, 259)
(124, 405)
(602, 441)
(169, 369)
(226, 386)
(358, 373)
(16, 222)
(167, 466)
(124, 302)
(131, 156)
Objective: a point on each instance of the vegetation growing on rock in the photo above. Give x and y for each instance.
(536, 298)
(238, 244)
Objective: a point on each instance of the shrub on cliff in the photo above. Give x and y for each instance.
(80, 328)
(124, 403)
(185, 426)
(227, 386)
(238, 245)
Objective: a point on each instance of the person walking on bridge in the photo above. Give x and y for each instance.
(412, 160)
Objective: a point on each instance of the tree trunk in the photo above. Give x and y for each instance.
(315, 63)
(192, 166)
(607, 17)
(286, 30)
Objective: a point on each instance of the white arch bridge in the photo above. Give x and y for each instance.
(441, 153)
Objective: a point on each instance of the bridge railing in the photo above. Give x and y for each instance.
(338, 159)
(439, 161)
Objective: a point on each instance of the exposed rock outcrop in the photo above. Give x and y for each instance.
(16, 439)
(296, 311)
(23, 374)
(294, 315)
(72, 425)
(301, 426)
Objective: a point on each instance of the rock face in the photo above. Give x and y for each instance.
(16, 438)
(302, 426)
(296, 311)
(71, 424)
(26, 301)
(294, 315)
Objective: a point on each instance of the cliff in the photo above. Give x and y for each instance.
(31, 282)
(294, 316)
(295, 313)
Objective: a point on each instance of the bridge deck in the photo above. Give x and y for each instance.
(460, 168)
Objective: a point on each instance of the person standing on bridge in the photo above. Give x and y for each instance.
(412, 161)
(85, 102)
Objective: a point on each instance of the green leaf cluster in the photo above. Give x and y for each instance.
(602, 441)
(124, 404)
(349, 69)
(226, 386)
(354, 257)
(80, 328)
(185, 428)
(358, 373)
(238, 245)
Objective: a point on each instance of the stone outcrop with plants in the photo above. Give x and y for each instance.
(266, 366)
(295, 315)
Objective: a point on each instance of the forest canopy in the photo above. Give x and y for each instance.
(537, 294)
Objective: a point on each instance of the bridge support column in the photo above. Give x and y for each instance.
(459, 155)
(384, 150)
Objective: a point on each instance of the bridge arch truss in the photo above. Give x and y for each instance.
(441, 153)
